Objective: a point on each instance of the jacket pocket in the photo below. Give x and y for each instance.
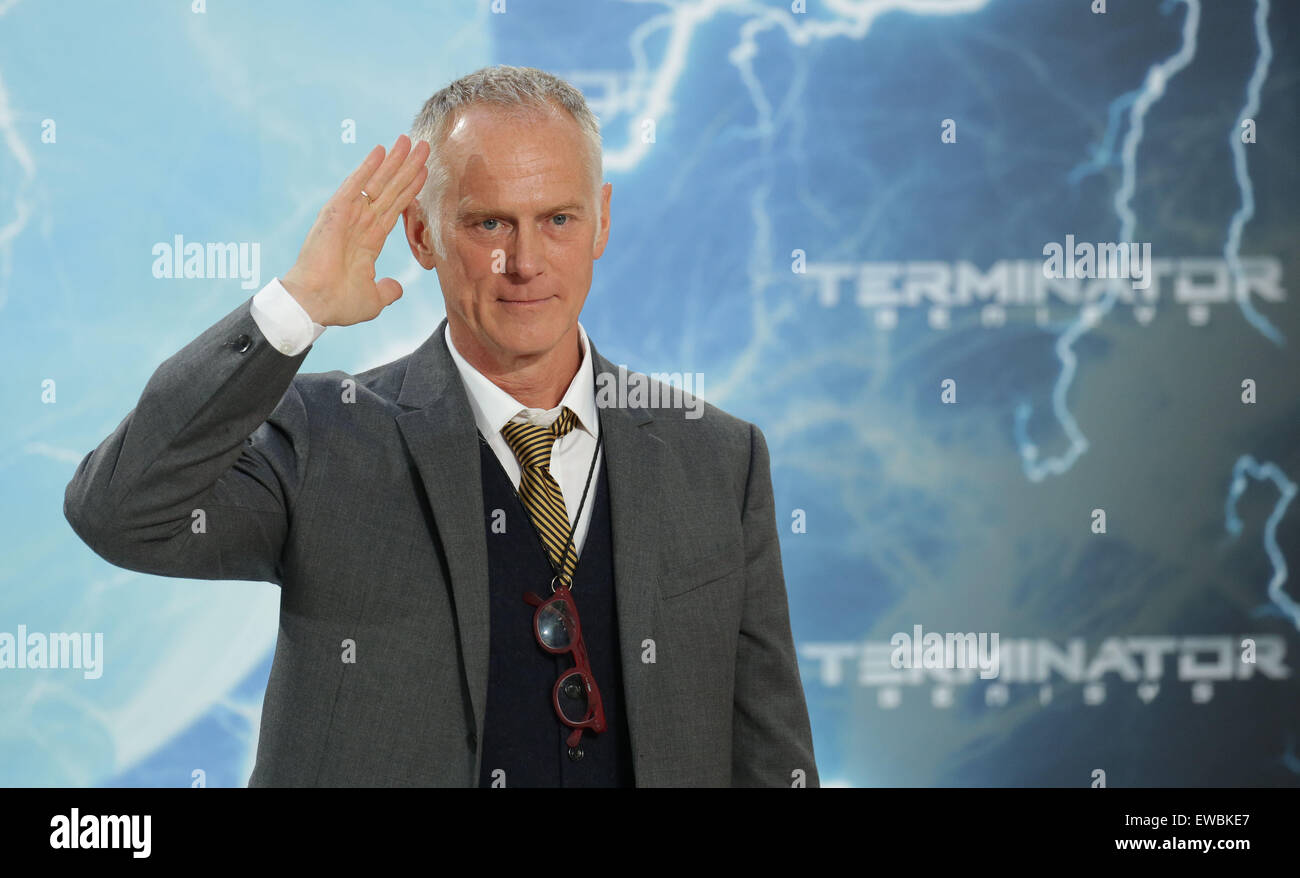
(681, 576)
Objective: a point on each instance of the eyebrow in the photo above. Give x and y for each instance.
(480, 213)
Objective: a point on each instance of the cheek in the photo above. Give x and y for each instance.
(473, 265)
(575, 261)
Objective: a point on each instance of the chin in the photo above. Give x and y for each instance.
(530, 337)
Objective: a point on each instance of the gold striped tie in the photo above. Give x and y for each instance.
(538, 489)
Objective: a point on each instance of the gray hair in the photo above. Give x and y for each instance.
(519, 91)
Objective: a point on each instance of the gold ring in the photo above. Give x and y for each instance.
(369, 200)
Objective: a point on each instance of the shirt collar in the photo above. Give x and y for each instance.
(494, 408)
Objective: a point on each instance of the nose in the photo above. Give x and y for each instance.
(529, 256)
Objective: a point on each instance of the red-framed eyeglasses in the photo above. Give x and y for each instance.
(558, 630)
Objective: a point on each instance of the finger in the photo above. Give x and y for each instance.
(396, 188)
(411, 166)
(379, 179)
(379, 232)
(352, 186)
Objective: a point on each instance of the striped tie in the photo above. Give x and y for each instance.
(538, 489)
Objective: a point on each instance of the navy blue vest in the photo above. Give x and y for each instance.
(522, 735)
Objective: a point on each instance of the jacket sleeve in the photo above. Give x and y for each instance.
(771, 735)
(199, 479)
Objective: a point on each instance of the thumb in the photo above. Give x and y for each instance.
(389, 291)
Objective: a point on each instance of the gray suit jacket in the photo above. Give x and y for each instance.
(360, 496)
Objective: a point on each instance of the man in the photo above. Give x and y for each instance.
(486, 577)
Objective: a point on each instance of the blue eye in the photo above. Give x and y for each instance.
(493, 229)
(563, 216)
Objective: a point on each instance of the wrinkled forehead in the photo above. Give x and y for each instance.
(492, 128)
(532, 147)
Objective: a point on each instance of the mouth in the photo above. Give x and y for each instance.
(525, 303)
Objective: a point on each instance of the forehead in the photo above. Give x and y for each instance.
(495, 152)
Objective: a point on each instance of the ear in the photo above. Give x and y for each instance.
(602, 234)
(419, 236)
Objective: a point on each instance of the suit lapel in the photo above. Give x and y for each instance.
(443, 440)
(634, 462)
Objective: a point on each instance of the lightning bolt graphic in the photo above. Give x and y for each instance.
(1232, 247)
(1247, 466)
(655, 88)
(1153, 89)
(1138, 103)
(1101, 156)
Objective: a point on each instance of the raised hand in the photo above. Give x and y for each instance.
(334, 277)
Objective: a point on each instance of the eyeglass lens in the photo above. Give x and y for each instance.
(573, 697)
(555, 625)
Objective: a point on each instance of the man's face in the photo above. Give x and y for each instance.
(519, 224)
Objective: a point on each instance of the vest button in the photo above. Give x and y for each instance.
(575, 753)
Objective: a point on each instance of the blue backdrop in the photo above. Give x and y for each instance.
(838, 216)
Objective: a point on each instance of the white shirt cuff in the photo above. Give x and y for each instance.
(285, 323)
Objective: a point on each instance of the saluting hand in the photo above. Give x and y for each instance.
(334, 277)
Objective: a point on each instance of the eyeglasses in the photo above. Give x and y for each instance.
(576, 698)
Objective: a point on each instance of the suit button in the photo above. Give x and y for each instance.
(242, 343)
(575, 753)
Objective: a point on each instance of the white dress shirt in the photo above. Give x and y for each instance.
(289, 328)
